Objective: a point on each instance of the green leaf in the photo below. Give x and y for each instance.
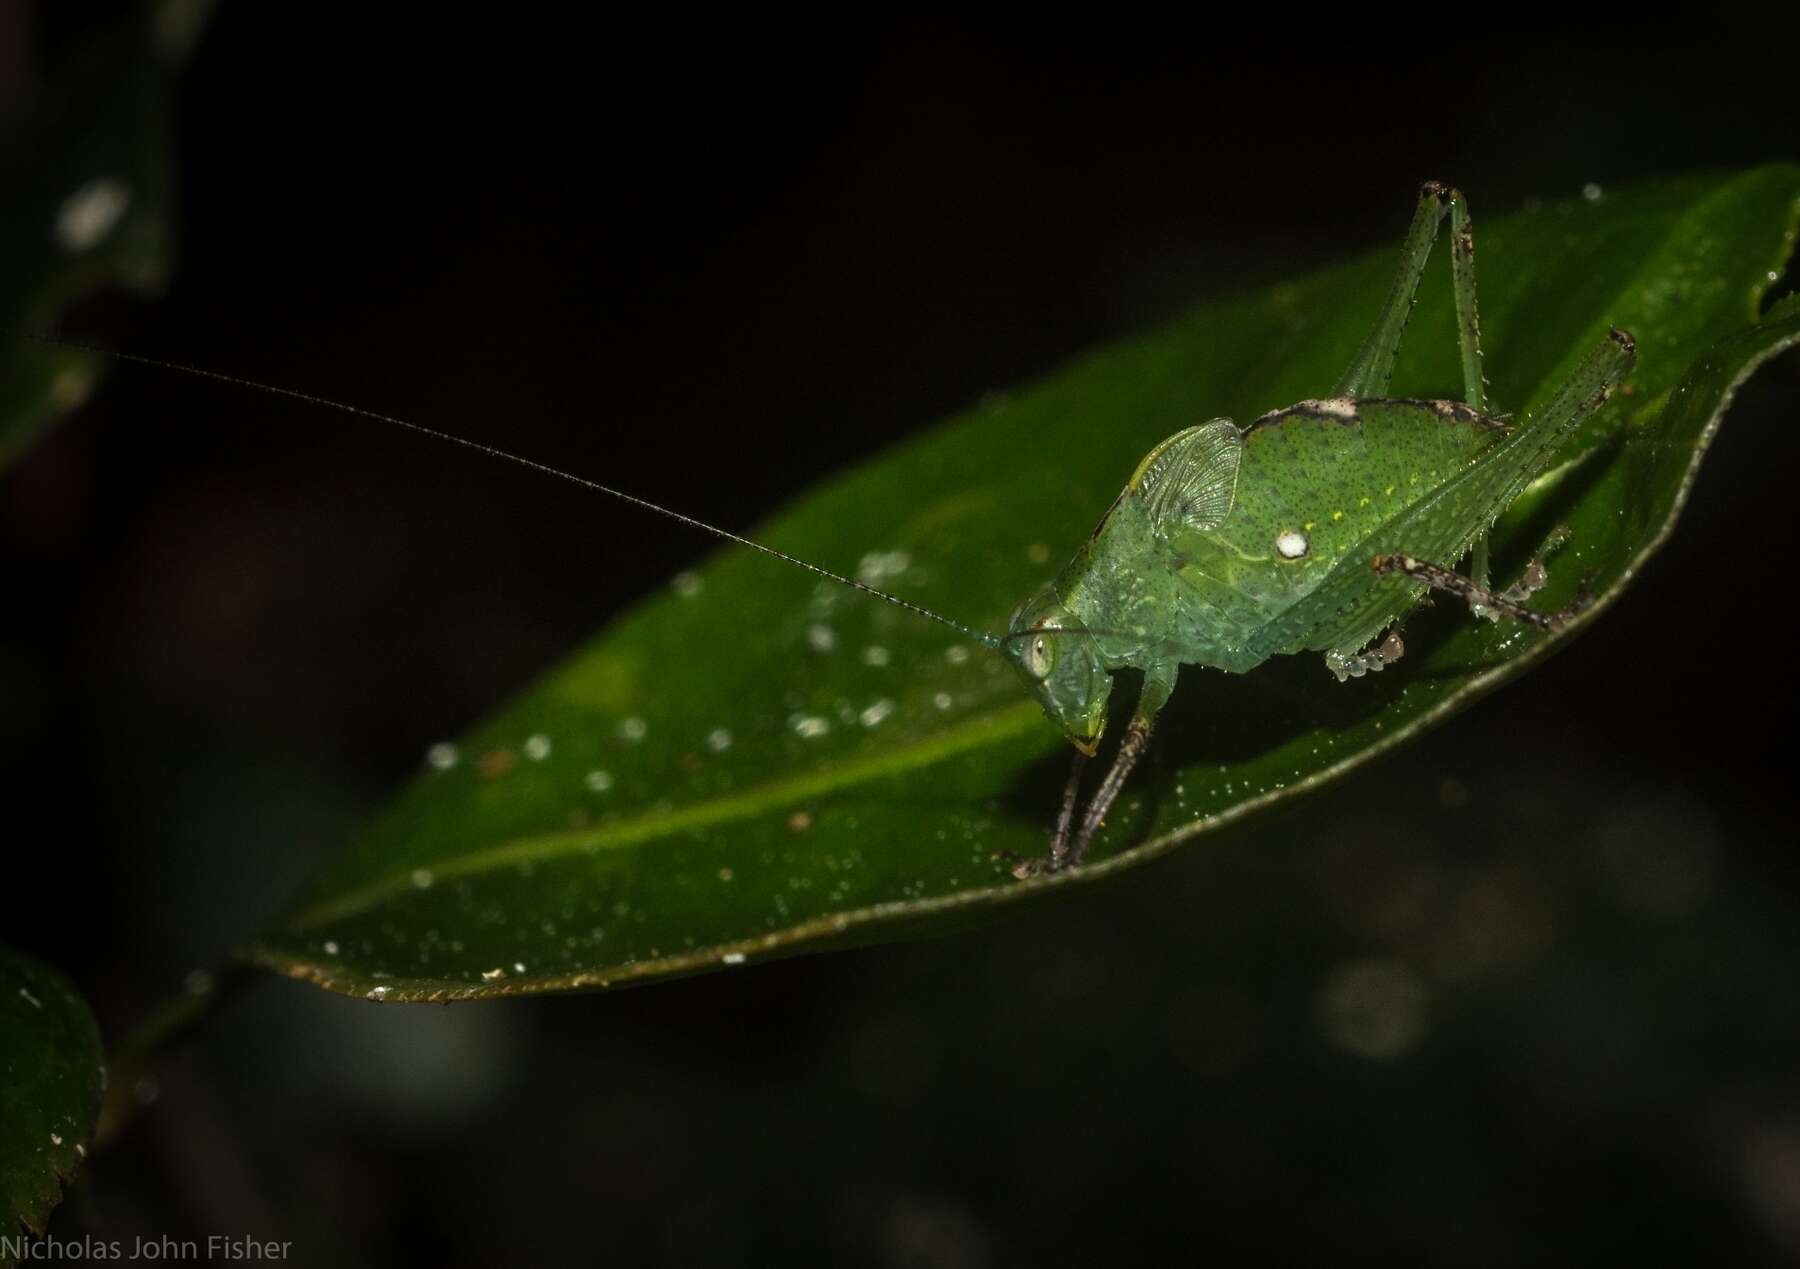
(51, 1079)
(84, 196)
(757, 764)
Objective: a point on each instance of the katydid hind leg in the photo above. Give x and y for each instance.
(1373, 367)
(1444, 526)
(1468, 339)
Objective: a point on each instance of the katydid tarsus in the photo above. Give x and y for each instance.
(1316, 528)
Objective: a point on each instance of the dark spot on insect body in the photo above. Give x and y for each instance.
(1623, 339)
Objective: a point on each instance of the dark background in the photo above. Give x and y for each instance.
(714, 260)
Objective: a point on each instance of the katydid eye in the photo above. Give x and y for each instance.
(1037, 658)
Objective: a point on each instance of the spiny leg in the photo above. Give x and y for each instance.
(1062, 854)
(1022, 866)
(1059, 845)
(1520, 456)
(1373, 366)
(1506, 603)
(1370, 372)
(1137, 739)
(1159, 682)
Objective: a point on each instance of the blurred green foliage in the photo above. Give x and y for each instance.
(51, 1065)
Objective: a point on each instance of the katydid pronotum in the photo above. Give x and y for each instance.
(1317, 528)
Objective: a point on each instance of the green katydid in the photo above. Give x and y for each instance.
(1318, 527)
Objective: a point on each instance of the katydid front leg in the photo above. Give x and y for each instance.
(1067, 852)
(1059, 844)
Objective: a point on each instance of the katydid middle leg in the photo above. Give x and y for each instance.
(1506, 603)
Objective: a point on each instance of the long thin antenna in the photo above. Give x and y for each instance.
(986, 640)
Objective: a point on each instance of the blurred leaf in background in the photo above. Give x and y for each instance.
(52, 1076)
(86, 185)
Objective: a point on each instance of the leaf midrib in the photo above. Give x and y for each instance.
(972, 733)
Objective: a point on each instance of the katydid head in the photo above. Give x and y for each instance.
(1060, 661)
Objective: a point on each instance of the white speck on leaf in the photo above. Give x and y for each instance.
(879, 566)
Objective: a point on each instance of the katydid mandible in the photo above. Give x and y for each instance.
(1317, 528)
